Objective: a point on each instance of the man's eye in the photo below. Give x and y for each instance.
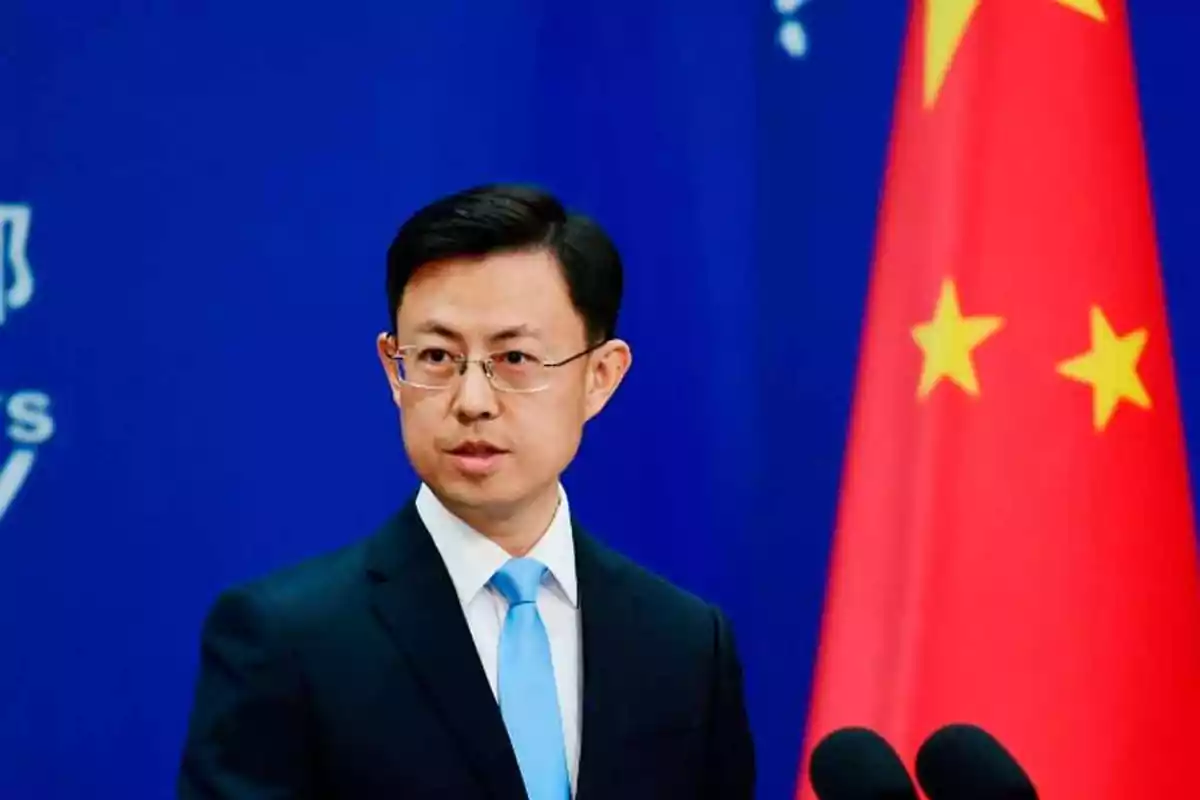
(515, 358)
(433, 355)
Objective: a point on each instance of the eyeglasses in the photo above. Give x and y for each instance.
(506, 370)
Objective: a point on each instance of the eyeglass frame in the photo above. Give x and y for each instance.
(487, 365)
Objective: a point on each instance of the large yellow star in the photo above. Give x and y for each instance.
(947, 341)
(1111, 369)
(946, 22)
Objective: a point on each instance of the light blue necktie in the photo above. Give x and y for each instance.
(528, 698)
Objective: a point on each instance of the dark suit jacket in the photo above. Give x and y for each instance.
(354, 676)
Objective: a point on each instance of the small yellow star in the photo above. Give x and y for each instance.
(1111, 369)
(947, 341)
(946, 23)
(1090, 8)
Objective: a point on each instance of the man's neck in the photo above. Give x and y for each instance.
(516, 528)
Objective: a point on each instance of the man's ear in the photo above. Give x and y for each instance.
(607, 367)
(385, 345)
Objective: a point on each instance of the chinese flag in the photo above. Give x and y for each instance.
(1015, 544)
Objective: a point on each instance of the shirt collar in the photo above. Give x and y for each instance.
(472, 558)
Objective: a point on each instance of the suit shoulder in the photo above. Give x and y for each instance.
(308, 579)
(657, 591)
(308, 592)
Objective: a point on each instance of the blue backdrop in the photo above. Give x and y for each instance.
(208, 190)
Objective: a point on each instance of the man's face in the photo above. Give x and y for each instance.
(476, 446)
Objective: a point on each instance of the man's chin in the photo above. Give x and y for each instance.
(490, 494)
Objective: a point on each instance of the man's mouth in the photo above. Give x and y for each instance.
(477, 459)
(476, 449)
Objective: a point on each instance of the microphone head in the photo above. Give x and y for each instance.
(964, 762)
(858, 764)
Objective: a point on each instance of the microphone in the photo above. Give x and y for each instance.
(964, 762)
(858, 764)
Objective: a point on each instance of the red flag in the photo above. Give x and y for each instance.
(1015, 544)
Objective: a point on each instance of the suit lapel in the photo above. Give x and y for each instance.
(414, 598)
(604, 606)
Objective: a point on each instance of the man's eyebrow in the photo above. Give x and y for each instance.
(515, 332)
(521, 331)
(438, 329)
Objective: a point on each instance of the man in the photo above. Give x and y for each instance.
(481, 644)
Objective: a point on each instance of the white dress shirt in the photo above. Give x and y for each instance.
(471, 559)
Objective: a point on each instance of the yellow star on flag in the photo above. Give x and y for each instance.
(946, 22)
(1111, 369)
(947, 341)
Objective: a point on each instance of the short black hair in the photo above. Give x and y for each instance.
(496, 218)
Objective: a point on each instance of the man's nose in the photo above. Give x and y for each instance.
(475, 398)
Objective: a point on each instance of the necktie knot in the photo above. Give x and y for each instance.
(519, 579)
